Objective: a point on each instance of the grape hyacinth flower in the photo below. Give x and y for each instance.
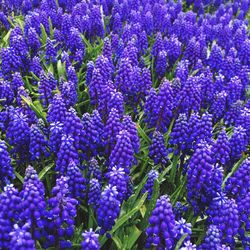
(161, 232)
(66, 154)
(94, 169)
(9, 214)
(182, 227)
(90, 240)
(149, 185)
(94, 193)
(21, 238)
(223, 213)
(73, 127)
(130, 126)
(57, 109)
(31, 176)
(55, 135)
(238, 142)
(212, 239)
(118, 178)
(199, 176)
(76, 181)
(32, 208)
(157, 150)
(108, 208)
(51, 53)
(123, 154)
(38, 143)
(45, 87)
(6, 169)
(60, 216)
(239, 183)
(221, 148)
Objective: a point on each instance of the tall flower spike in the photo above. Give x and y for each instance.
(162, 109)
(218, 106)
(18, 133)
(60, 216)
(89, 72)
(21, 238)
(94, 170)
(161, 231)
(215, 58)
(149, 185)
(94, 193)
(130, 126)
(38, 143)
(69, 93)
(157, 150)
(161, 64)
(55, 135)
(66, 154)
(73, 126)
(221, 149)
(57, 109)
(199, 176)
(72, 76)
(117, 177)
(116, 101)
(189, 97)
(212, 239)
(238, 142)
(51, 53)
(90, 137)
(77, 183)
(90, 240)
(9, 214)
(16, 82)
(45, 87)
(123, 154)
(182, 227)
(109, 209)
(32, 208)
(179, 134)
(223, 212)
(6, 169)
(239, 183)
(6, 93)
(112, 128)
(31, 176)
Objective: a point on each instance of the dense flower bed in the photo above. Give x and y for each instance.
(124, 124)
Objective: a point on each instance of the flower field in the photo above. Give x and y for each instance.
(124, 124)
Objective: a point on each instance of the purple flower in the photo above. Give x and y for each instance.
(108, 209)
(161, 232)
(90, 240)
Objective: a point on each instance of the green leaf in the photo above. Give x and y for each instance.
(234, 169)
(37, 111)
(19, 177)
(178, 192)
(174, 169)
(143, 134)
(6, 37)
(45, 170)
(165, 171)
(179, 243)
(44, 34)
(133, 237)
(124, 218)
(60, 69)
(117, 242)
(151, 205)
(132, 199)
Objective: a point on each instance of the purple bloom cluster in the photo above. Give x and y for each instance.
(99, 96)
